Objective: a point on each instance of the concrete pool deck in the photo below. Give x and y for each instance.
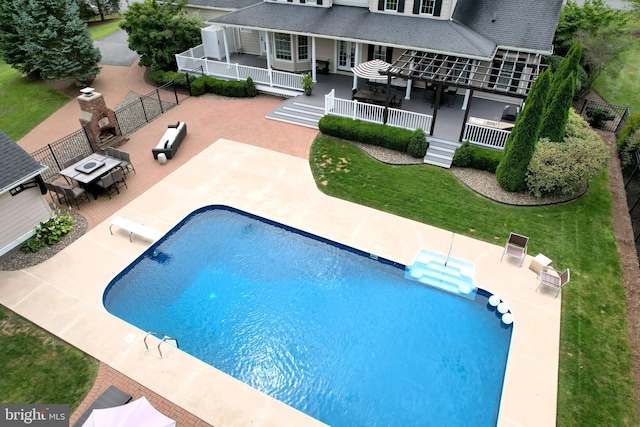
(64, 294)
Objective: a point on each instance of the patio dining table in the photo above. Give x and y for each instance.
(370, 96)
(90, 169)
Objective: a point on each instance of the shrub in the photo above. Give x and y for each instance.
(462, 156)
(480, 158)
(485, 159)
(599, 116)
(566, 168)
(49, 232)
(418, 144)
(198, 86)
(626, 139)
(250, 88)
(160, 77)
(368, 133)
(557, 113)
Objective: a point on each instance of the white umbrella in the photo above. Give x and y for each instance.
(369, 69)
(139, 413)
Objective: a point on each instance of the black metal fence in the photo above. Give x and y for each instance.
(131, 117)
(138, 113)
(631, 174)
(619, 113)
(54, 155)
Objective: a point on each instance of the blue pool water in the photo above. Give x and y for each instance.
(323, 328)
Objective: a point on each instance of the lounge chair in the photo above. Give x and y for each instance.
(132, 227)
(550, 277)
(110, 398)
(516, 247)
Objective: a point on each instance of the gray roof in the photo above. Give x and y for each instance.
(528, 24)
(16, 165)
(521, 24)
(223, 4)
(357, 23)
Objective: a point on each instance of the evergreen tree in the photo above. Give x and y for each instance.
(48, 36)
(569, 64)
(157, 31)
(12, 50)
(512, 169)
(557, 113)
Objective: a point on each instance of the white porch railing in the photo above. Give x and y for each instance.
(375, 113)
(486, 136)
(194, 61)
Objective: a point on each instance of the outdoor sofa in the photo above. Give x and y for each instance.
(171, 140)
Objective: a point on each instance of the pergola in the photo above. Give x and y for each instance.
(509, 73)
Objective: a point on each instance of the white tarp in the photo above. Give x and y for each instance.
(369, 69)
(139, 413)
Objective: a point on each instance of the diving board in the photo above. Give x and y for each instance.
(133, 227)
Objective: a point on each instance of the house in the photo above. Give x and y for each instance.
(439, 50)
(22, 202)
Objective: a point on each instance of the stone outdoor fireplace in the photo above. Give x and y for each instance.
(99, 122)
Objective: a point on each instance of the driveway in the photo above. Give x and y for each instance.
(115, 50)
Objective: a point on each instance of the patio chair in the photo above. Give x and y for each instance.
(74, 194)
(54, 188)
(516, 247)
(118, 178)
(108, 184)
(111, 152)
(126, 164)
(550, 277)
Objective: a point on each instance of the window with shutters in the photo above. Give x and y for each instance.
(427, 7)
(379, 52)
(391, 5)
(303, 48)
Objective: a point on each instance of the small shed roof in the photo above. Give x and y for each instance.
(16, 165)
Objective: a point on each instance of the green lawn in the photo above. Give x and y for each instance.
(596, 386)
(624, 88)
(25, 103)
(40, 368)
(100, 30)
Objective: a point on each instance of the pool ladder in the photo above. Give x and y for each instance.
(165, 338)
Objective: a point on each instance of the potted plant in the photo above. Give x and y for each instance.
(307, 83)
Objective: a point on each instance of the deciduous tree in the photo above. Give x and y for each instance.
(157, 31)
(91, 8)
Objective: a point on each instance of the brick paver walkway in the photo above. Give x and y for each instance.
(208, 119)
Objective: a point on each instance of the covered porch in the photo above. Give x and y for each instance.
(445, 125)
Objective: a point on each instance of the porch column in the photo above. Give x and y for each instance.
(266, 36)
(357, 61)
(407, 94)
(226, 45)
(465, 103)
(313, 59)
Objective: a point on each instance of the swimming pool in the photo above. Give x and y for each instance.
(319, 326)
